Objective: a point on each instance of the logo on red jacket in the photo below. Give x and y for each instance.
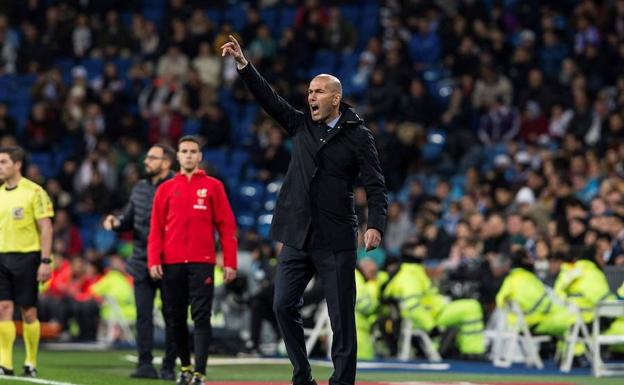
(201, 194)
(208, 281)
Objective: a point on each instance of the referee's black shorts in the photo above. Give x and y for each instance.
(18, 278)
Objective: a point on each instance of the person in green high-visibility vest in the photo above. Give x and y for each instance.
(420, 302)
(542, 315)
(366, 306)
(582, 283)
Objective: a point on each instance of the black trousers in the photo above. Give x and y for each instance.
(187, 284)
(144, 295)
(336, 271)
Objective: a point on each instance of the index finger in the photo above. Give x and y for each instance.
(233, 40)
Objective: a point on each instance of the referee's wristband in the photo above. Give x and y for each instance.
(46, 261)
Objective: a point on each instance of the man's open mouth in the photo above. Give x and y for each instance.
(314, 107)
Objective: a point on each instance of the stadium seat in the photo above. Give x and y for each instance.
(246, 221)
(514, 343)
(216, 157)
(191, 127)
(324, 62)
(160, 4)
(249, 196)
(115, 328)
(214, 16)
(286, 17)
(407, 334)
(46, 163)
(578, 333)
(436, 141)
(94, 67)
(154, 15)
(322, 328)
(236, 15)
(612, 310)
(264, 224)
(123, 66)
(350, 13)
(442, 90)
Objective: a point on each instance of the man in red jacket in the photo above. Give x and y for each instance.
(181, 252)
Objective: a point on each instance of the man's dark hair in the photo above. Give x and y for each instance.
(16, 153)
(189, 138)
(168, 152)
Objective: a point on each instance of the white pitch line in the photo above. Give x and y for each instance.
(35, 380)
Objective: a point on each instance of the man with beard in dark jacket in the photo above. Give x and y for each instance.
(315, 216)
(136, 216)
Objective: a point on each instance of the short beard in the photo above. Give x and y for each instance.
(151, 173)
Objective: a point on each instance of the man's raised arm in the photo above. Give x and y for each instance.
(278, 108)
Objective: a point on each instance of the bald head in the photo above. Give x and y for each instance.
(333, 84)
(324, 95)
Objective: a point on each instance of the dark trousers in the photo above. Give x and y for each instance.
(144, 295)
(336, 271)
(187, 284)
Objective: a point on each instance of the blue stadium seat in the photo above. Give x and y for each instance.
(191, 127)
(65, 65)
(45, 161)
(94, 67)
(246, 221)
(160, 4)
(237, 159)
(287, 17)
(249, 196)
(324, 62)
(87, 224)
(432, 150)
(26, 81)
(367, 28)
(6, 85)
(20, 94)
(20, 111)
(214, 15)
(264, 224)
(154, 15)
(123, 66)
(270, 17)
(236, 15)
(442, 90)
(350, 13)
(269, 204)
(215, 157)
(126, 18)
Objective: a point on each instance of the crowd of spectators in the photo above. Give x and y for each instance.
(499, 124)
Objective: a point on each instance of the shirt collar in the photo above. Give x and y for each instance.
(333, 123)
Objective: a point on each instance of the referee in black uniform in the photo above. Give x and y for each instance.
(136, 216)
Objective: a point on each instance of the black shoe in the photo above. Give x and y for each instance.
(167, 374)
(146, 371)
(29, 371)
(311, 382)
(185, 377)
(198, 379)
(6, 372)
